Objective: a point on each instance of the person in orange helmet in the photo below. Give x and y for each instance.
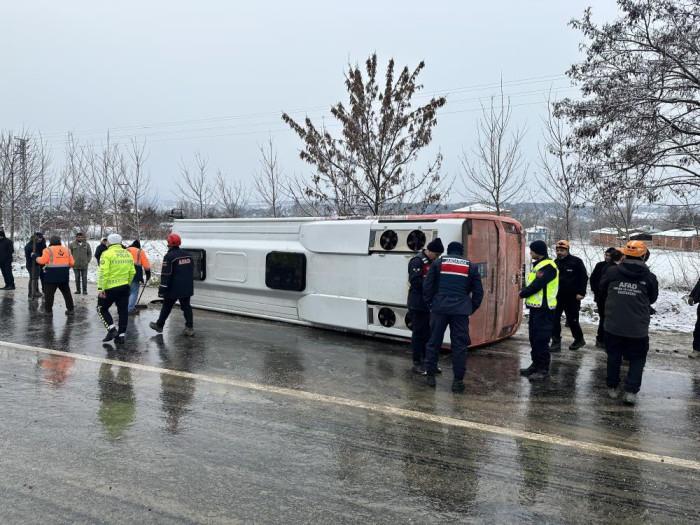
(628, 289)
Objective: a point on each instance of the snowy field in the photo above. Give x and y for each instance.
(676, 271)
(155, 250)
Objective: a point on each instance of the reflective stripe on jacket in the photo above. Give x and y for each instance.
(141, 262)
(116, 268)
(552, 288)
(57, 261)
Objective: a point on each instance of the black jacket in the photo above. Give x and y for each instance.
(177, 274)
(417, 270)
(28, 248)
(99, 250)
(695, 294)
(628, 290)
(7, 248)
(573, 278)
(597, 275)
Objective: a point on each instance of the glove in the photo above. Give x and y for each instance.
(161, 292)
(652, 311)
(690, 301)
(148, 275)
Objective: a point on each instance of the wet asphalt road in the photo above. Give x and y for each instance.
(253, 421)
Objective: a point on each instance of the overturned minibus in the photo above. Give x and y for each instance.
(349, 274)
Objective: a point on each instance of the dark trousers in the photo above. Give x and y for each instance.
(119, 296)
(33, 286)
(600, 336)
(6, 269)
(50, 292)
(633, 348)
(184, 306)
(696, 332)
(459, 341)
(80, 277)
(420, 332)
(540, 327)
(570, 306)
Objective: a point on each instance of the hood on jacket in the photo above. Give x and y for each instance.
(633, 268)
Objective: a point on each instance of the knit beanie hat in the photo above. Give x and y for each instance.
(539, 247)
(436, 246)
(455, 247)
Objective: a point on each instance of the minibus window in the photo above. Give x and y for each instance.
(285, 271)
(199, 259)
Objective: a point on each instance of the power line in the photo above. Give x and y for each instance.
(143, 127)
(115, 139)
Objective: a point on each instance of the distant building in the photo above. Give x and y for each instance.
(486, 209)
(536, 233)
(685, 239)
(613, 236)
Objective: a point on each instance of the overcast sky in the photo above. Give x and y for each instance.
(214, 76)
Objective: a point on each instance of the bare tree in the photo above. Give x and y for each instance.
(71, 188)
(269, 179)
(498, 174)
(195, 188)
(232, 197)
(102, 180)
(137, 184)
(369, 169)
(558, 164)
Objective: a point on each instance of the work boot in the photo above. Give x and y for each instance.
(187, 332)
(556, 344)
(430, 380)
(458, 386)
(9, 287)
(85, 292)
(579, 343)
(70, 313)
(527, 372)
(613, 393)
(155, 326)
(120, 339)
(419, 369)
(438, 370)
(695, 354)
(630, 398)
(111, 334)
(539, 375)
(77, 292)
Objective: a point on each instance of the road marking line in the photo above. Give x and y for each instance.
(383, 409)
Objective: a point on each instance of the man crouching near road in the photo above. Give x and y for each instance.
(540, 294)
(113, 279)
(176, 284)
(628, 290)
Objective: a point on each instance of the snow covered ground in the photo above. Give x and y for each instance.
(155, 250)
(676, 271)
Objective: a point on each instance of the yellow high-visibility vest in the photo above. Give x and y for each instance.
(552, 288)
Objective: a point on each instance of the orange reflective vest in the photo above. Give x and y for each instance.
(57, 260)
(141, 262)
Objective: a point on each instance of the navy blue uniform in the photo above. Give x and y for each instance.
(420, 315)
(176, 284)
(453, 293)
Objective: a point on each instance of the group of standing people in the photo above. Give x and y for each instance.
(624, 289)
(446, 289)
(121, 273)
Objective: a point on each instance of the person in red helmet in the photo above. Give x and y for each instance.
(176, 284)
